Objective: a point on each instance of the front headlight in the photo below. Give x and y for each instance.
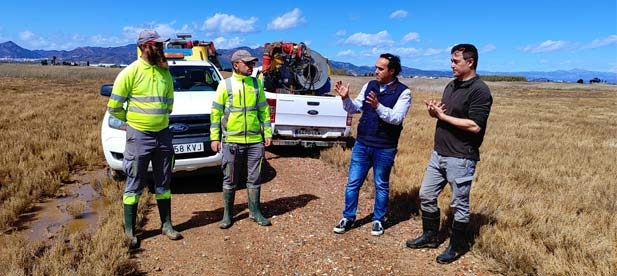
(115, 123)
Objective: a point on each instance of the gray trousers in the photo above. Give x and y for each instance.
(442, 170)
(242, 164)
(141, 149)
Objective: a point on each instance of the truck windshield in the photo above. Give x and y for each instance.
(194, 78)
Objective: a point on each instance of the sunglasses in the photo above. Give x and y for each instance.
(249, 63)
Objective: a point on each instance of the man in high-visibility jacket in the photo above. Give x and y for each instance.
(240, 128)
(146, 86)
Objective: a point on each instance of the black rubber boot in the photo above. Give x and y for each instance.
(130, 218)
(430, 232)
(165, 214)
(228, 203)
(254, 210)
(458, 244)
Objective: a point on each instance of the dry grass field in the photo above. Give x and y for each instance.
(543, 202)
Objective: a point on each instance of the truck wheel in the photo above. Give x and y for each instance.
(115, 175)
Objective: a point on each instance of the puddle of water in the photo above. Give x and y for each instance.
(51, 215)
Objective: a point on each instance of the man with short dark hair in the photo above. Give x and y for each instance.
(146, 86)
(462, 115)
(384, 103)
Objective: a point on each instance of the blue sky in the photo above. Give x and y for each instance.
(512, 36)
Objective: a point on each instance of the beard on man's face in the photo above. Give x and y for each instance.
(155, 56)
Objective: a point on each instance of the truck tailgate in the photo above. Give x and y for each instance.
(309, 111)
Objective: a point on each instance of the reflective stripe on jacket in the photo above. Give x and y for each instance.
(149, 94)
(242, 114)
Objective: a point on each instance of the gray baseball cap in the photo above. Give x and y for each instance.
(150, 35)
(243, 55)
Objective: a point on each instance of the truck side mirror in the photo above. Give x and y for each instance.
(106, 89)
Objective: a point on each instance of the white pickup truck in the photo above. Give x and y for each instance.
(302, 111)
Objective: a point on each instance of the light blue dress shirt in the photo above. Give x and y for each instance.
(394, 115)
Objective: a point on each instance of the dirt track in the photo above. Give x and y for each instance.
(303, 197)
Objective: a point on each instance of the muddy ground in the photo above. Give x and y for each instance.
(303, 197)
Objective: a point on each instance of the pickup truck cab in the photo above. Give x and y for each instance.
(195, 83)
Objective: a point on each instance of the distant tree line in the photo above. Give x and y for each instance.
(502, 78)
(54, 61)
(594, 80)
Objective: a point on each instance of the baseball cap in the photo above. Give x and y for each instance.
(243, 55)
(150, 35)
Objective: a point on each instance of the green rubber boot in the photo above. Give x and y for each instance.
(228, 203)
(130, 217)
(254, 210)
(165, 214)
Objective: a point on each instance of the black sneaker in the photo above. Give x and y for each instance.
(342, 226)
(377, 229)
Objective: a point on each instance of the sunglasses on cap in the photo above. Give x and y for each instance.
(248, 63)
(154, 43)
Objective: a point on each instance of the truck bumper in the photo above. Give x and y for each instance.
(309, 143)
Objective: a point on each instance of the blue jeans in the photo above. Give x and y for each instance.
(442, 170)
(362, 159)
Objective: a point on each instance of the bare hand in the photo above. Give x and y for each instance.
(435, 108)
(371, 99)
(267, 142)
(216, 146)
(342, 90)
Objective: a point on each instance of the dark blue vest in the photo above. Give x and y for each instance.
(373, 131)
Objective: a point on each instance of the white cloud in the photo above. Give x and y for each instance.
(222, 23)
(287, 20)
(433, 51)
(597, 43)
(407, 52)
(26, 35)
(225, 43)
(130, 33)
(364, 39)
(340, 33)
(346, 53)
(488, 48)
(546, 46)
(411, 37)
(103, 40)
(399, 14)
(612, 67)
(34, 41)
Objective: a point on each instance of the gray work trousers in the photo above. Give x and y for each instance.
(242, 164)
(143, 147)
(442, 170)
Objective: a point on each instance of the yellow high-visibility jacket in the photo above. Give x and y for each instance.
(148, 91)
(242, 115)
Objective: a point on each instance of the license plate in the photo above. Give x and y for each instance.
(306, 132)
(188, 148)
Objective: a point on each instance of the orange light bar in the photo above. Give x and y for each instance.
(174, 55)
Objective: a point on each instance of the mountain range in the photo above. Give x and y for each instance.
(126, 54)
